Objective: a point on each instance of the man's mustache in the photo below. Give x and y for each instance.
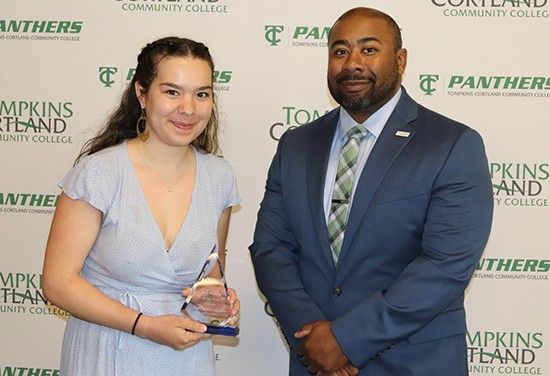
(353, 76)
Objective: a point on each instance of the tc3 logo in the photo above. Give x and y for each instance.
(272, 34)
(426, 82)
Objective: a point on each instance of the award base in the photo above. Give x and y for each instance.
(231, 331)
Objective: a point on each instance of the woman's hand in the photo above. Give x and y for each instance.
(174, 331)
(235, 307)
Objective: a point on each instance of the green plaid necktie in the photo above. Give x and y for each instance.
(343, 186)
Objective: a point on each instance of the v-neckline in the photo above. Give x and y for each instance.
(150, 212)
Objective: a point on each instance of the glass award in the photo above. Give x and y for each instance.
(208, 300)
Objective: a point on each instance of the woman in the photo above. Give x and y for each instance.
(138, 215)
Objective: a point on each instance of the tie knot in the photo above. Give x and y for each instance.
(357, 132)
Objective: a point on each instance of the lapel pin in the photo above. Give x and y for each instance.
(402, 134)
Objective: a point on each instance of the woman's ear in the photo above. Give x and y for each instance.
(140, 94)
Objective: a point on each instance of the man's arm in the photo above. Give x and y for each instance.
(275, 255)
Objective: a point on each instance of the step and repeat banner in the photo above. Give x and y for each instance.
(482, 62)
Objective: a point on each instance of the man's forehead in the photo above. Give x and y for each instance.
(362, 29)
(358, 20)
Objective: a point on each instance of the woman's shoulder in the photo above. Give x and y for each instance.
(95, 177)
(214, 162)
(215, 168)
(105, 159)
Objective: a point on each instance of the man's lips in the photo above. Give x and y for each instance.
(355, 85)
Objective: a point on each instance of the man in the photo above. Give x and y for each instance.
(373, 220)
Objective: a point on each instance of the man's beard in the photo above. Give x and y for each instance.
(378, 93)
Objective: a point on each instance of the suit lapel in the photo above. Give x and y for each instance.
(318, 156)
(383, 154)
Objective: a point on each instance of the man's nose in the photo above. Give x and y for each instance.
(354, 61)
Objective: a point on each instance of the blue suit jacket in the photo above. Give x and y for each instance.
(418, 224)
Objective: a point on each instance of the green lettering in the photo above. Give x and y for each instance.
(8, 371)
(504, 265)
(517, 265)
(497, 80)
(538, 83)
(67, 106)
(36, 200)
(484, 82)
(530, 266)
(475, 340)
(537, 337)
(14, 26)
(524, 82)
(491, 262)
(544, 266)
(288, 109)
(487, 338)
(455, 80)
(469, 82)
(7, 281)
(511, 82)
(51, 26)
(300, 30)
(49, 200)
(76, 27)
(5, 110)
(131, 73)
(38, 26)
(314, 32)
(63, 27)
(24, 197)
(33, 372)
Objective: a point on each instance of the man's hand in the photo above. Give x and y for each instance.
(320, 351)
(348, 370)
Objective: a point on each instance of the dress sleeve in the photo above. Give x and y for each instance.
(86, 181)
(232, 191)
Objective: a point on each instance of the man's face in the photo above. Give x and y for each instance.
(364, 67)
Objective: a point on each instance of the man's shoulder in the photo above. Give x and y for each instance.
(435, 128)
(439, 122)
(410, 110)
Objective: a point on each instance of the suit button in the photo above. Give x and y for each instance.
(337, 291)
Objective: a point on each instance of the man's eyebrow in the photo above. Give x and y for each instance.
(359, 41)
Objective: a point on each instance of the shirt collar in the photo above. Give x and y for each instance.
(375, 123)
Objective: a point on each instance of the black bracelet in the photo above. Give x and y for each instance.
(135, 323)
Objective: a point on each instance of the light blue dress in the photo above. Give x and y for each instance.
(129, 263)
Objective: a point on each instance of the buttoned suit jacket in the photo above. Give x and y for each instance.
(419, 221)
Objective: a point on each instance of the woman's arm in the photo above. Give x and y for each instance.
(223, 229)
(74, 229)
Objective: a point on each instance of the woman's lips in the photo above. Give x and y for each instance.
(182, 125)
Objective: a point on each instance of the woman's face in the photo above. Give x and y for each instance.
(179, 101)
